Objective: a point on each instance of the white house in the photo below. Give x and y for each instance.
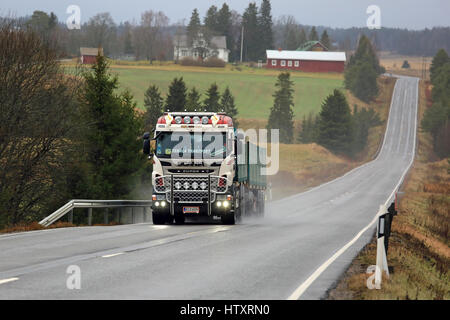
(217, 47)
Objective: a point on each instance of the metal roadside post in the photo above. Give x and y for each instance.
(385, 218)
(381, 264)
(70, 217)
(90, 216)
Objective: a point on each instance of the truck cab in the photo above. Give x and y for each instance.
(194, 167)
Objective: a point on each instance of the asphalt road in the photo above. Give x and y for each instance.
(298, 251)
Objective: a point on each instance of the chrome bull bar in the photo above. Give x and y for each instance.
(191, 188)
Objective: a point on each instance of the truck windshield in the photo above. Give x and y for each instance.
(192, 145)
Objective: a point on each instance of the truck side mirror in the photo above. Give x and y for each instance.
(146, 146)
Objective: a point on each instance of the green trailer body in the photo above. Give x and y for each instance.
(250, 168)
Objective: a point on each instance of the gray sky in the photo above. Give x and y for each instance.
(411, 14)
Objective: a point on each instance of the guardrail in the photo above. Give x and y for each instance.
(91, 204)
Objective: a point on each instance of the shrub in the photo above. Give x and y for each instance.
(212, 62)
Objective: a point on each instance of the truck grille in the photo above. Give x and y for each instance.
(191, 189)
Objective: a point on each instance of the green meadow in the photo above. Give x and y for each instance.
(252, 90)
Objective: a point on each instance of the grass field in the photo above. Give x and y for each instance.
(393, 63)
(253, 88)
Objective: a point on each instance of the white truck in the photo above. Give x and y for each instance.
(202, 168)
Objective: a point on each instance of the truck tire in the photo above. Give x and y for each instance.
(229, 219)
(158, 219)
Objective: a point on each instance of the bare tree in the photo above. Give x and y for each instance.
(150, 35)
(101, 31)
(37, 116)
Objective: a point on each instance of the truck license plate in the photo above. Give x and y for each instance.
(191, 209)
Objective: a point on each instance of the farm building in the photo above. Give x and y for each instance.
(312, 46)
(217, 47)
(89, 55)
(307, 61)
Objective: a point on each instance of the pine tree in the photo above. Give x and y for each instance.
(265, 28)
(439, 60)
(225, 25)
(111, 146)
(251, 33)
(366, 53)
(336, 126)
(308, 134)
(362, 71)
(302, 37)
(313, 36)
(211, 21)
(154, 104)
(281, 114)
(193, 28)
(325, 40)
(228, 106)
(211, 103)
(176, 99)
(193, 101)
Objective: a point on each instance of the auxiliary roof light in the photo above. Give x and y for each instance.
(178, 185)
(205, 120)
(187, 120)
(196, 120)
(203, 185)
(178, 120)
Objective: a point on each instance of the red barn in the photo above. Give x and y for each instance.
(89, 55)
(307, 61)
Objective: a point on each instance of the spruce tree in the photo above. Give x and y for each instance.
(281, 114)
(313, 36)
(251, 33)
(325, 40)
(154, 105)
(265, 28)
(112, 149)
(193, 101)
(302, 37)
(228, 106)
(439, 60)
(211, 103)
(362, 71)
(176, 99)
(193, 28)
(211, 21)
(225, 25)
(336, 126)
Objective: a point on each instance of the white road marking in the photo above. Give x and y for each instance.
(8, 280)
(113, 255)
(305, 285)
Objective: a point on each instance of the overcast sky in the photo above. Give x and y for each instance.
(411, 14)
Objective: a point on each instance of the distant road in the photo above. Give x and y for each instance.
(298, 251)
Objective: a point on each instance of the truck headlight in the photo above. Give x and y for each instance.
(163, 204)
(156, 204)
(219, 204)
(226, 204)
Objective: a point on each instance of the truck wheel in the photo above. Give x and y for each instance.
(158, 219)
(229, 219)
